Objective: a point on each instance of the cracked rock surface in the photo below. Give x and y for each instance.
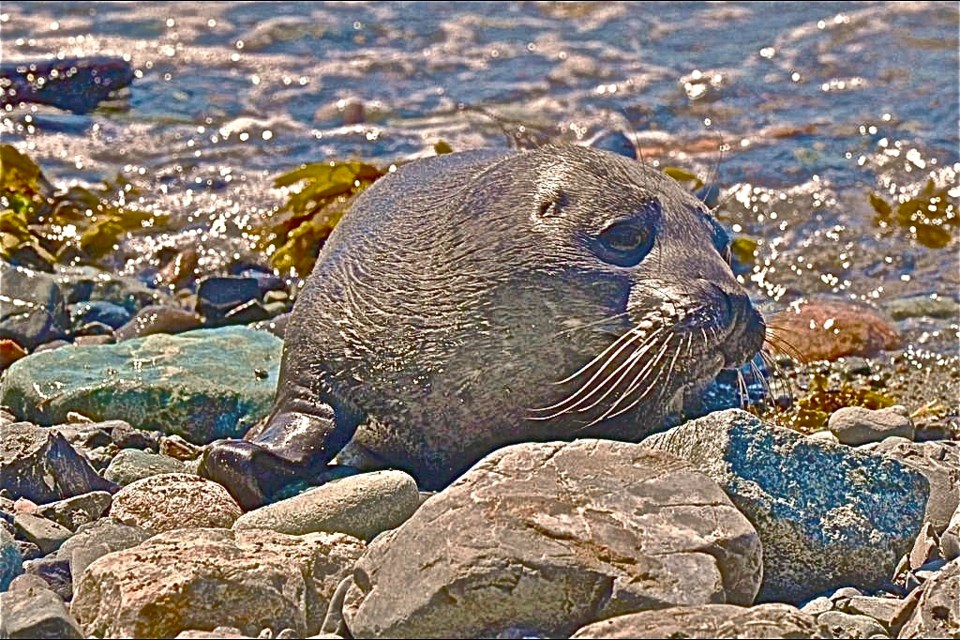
(543, 538)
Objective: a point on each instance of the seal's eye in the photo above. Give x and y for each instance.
(625, 243)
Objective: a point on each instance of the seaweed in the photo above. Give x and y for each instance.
(297, 230)
(61, 226)
(931, 217)
(811, 411)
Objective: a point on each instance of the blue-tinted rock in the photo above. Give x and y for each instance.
(40, 465)
(32, 310)
(11, 562)
(108, 313)
(218, 296)
(74, 84)
(828, 515)
(55, 572)
(201, 385)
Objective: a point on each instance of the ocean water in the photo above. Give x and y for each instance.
(794, 113)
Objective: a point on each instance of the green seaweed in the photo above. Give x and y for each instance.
(59, 226)
(297, 230)
(810, 412)
(931, 217)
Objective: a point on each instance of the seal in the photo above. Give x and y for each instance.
(484, 298)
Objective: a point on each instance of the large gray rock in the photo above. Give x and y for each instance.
(201, 385)
(130, 465)
(828, 515)
(937, 614)
(362, 506)
(709, 621)
(35, 613)
(542, 538)
(95, 540)
(939, 461)
(40, 465)
(46, 534)
(204, 578)
(32, 311)
(174, 501)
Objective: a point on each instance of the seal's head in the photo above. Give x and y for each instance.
(479, 299)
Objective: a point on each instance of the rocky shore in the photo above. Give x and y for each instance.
(726, 526)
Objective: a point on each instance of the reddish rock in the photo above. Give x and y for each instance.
(831, 329)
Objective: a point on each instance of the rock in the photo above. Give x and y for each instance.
(204, 578)
(828, 515)
(36, 613)
(883, 610)
(74, 84)
(937, 614)
(218, 296)
(26, 581)
(78, 510)
(857, 425)
(950, 539)
(362, 506)
(107, 313)
(817, 606)
(157, 319)
(89, 284)
(542, 538)
(55, 572)
(940, 463)
(40, 465)
(930, 306)
(11, 560)
(174, 501)
(35, 313)
(29, 550)
(846, 625)
(830, 329)
(10, 352)
(161, 383)
(219, 632)
(98, 539)
(708, 621)
(46, 534)
(825, 436)
(130, 465)
(926, 547)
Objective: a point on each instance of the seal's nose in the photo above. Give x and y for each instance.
(745, 328)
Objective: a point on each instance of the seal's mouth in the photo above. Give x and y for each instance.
(648, 367)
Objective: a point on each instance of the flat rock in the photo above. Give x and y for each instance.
(883, 610)
(78, 510)
(362, 506)
(35, 312)
(40, 465)
(858, 425)
(847, 625)
(708, 621)
(161, 383)
(130, 465)
(939, 461)
(36, 613)
(174, 501)
(542, 538)
(204, 578)
(11, 560)
(828, 515)
(46, 534)
(937, 614)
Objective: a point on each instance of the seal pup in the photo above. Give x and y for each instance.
(479, 299)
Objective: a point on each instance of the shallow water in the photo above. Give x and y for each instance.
(796, 112)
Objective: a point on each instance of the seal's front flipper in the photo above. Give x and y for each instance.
(293, 448)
